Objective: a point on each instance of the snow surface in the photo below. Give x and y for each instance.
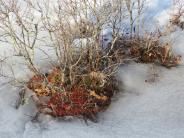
(141, 110)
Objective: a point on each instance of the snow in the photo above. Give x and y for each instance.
(141, 110)
(157, 14)
(106, 37)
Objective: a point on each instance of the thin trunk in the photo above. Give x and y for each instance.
(139, 14)
(129, 7)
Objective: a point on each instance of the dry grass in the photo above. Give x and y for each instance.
(148, 50)
(177, 18)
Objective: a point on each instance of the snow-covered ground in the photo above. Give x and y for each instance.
(141, 110)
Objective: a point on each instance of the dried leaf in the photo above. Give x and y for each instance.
(166, 51)
(103, 98)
